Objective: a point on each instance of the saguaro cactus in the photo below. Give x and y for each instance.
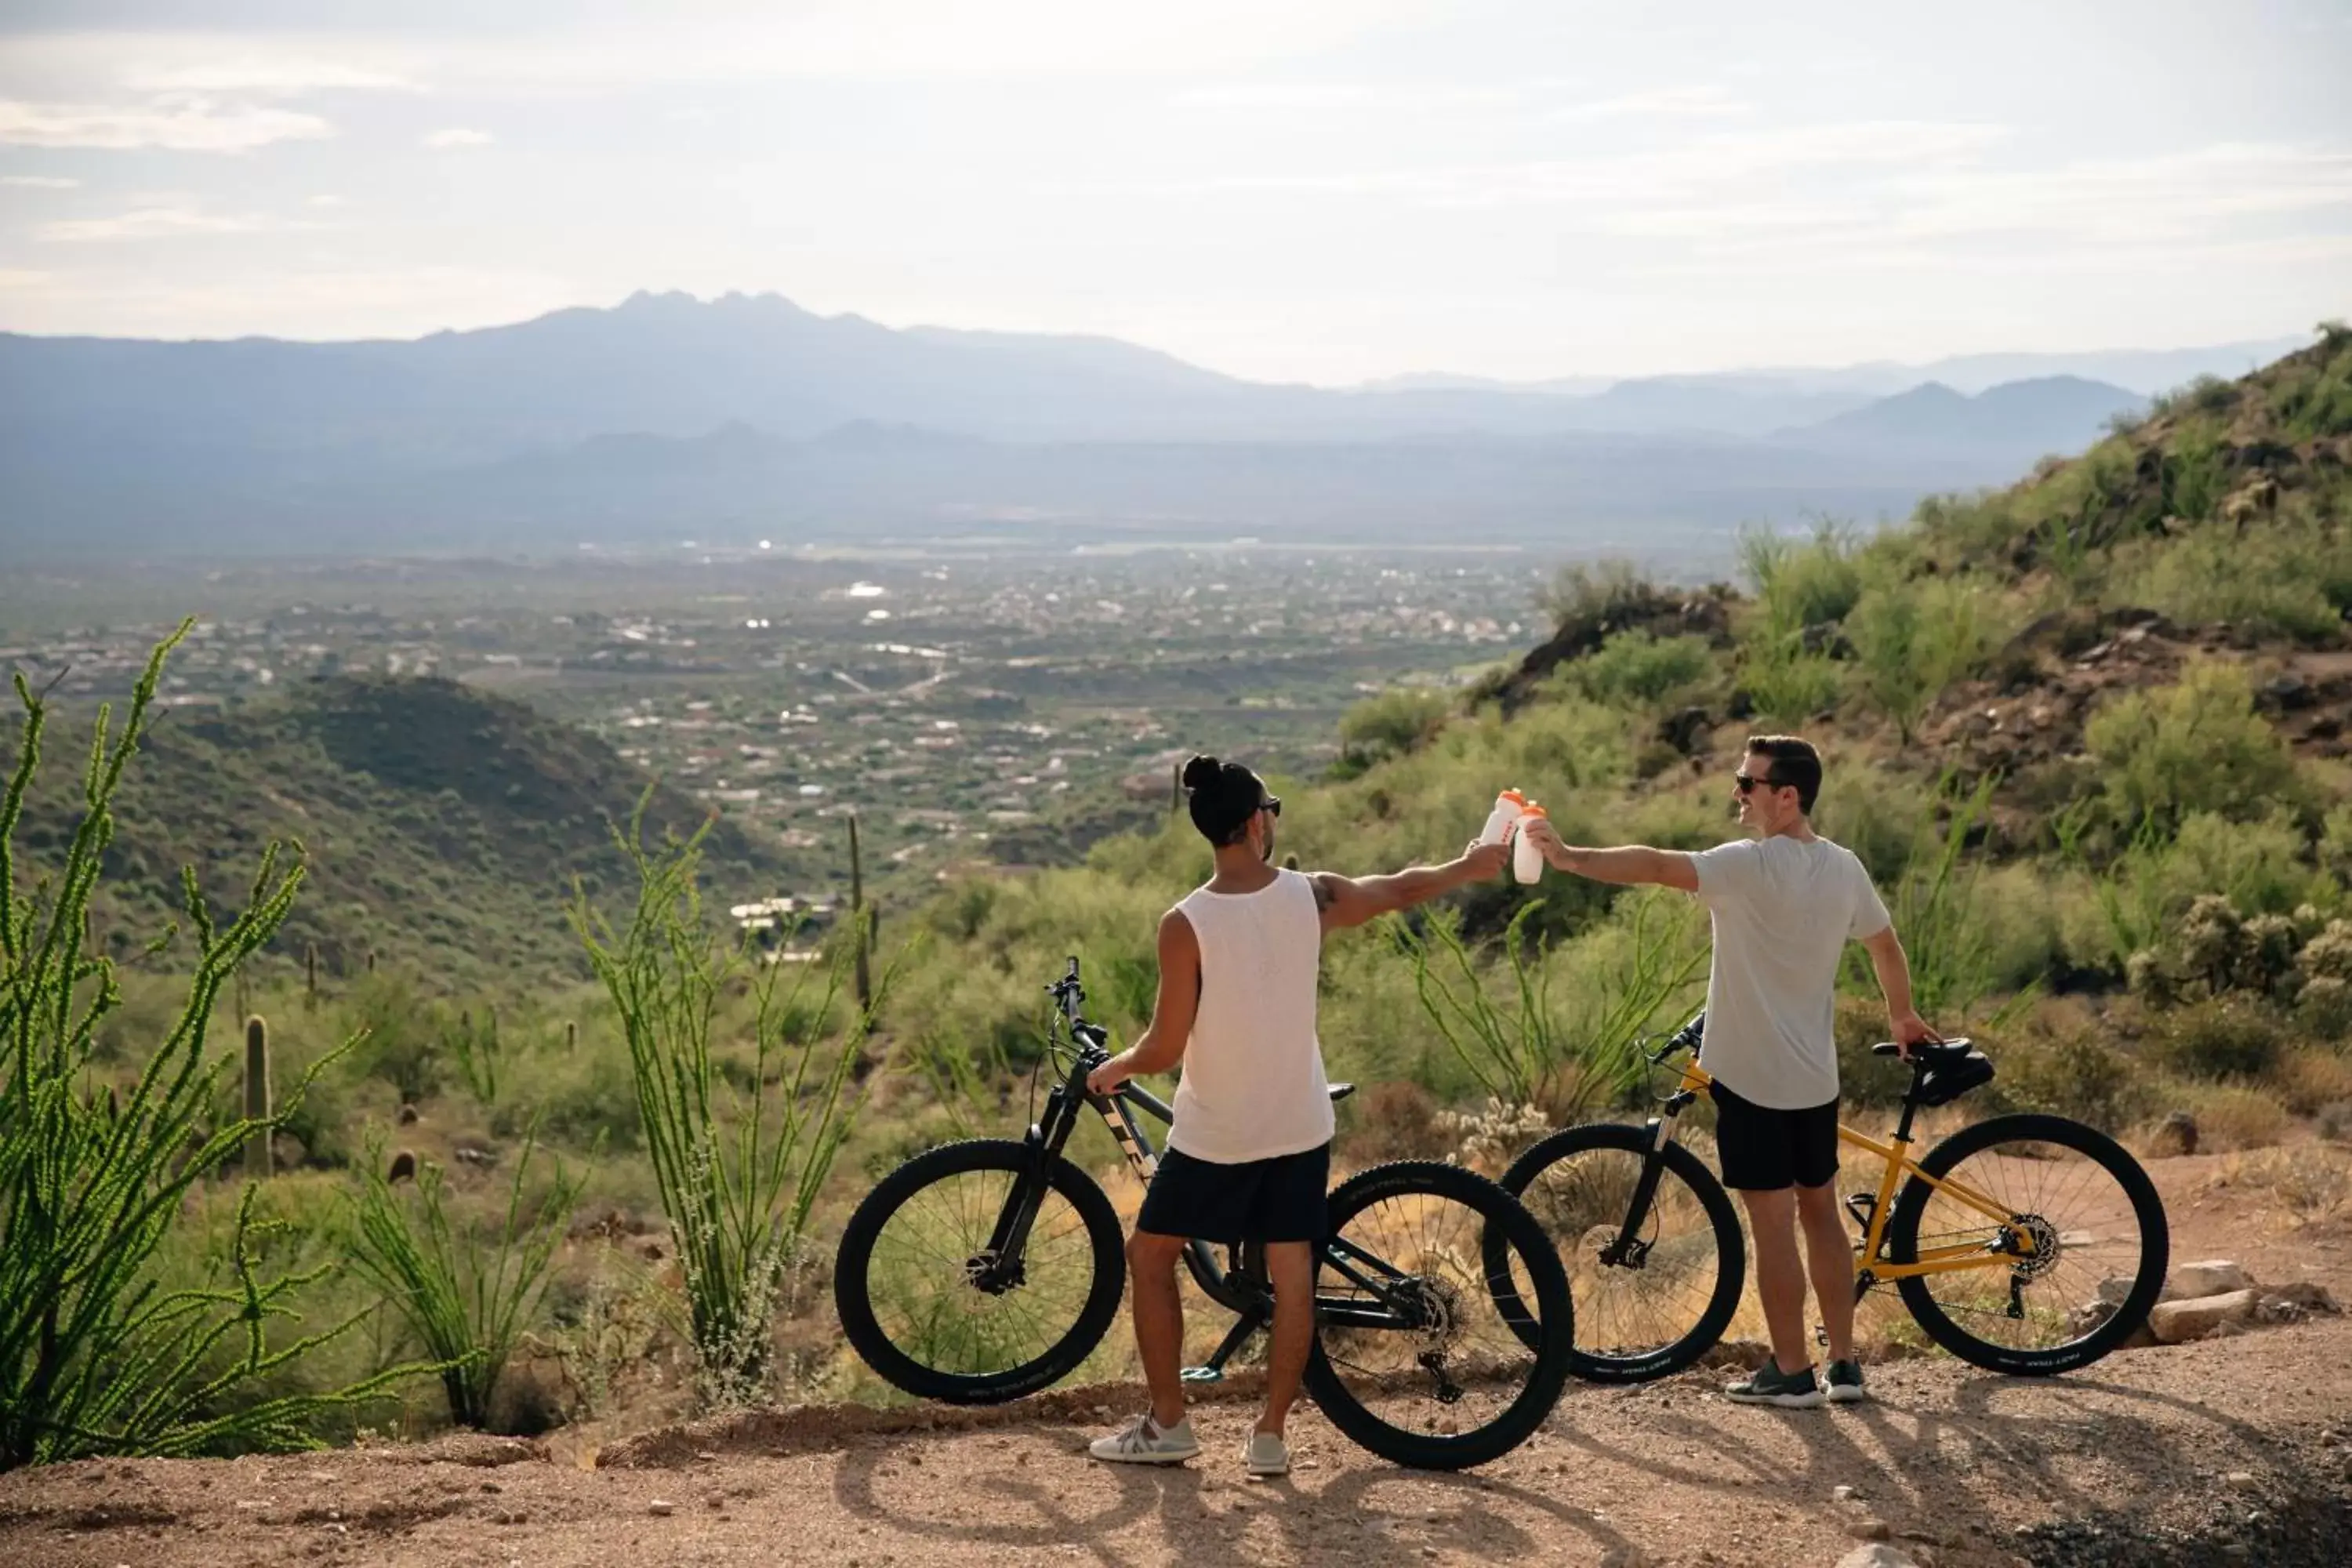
(256, 1095)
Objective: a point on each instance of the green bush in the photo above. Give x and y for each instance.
(1400, 720)
(2197, 745)
(2219, 1037)
(1594, 594)
(2071, 1073)
(2284, 580)
(1786, 685)
(1801, 584)
(1640, 670)
(1912, 640)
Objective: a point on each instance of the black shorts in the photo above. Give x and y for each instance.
(1765, 1150)
(1281, 1199)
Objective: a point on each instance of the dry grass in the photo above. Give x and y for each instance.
(2230, 1116)
(2306, 1181)
(2312, 1076)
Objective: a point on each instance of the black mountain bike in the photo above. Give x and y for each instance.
(981, 1271)
(2025, 1244)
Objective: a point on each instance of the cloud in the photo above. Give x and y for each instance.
(21, 278)
(189, 124)
(145, 223)
(1696, 101)
(457, 136)
(1384, 97)
(267, 74)
(39, 182)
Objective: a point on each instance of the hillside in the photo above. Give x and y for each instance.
(444, 827)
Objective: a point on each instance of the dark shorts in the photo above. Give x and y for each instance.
(1281, 1199)
(1764, 1150)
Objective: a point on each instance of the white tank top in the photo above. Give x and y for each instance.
(1253, 1086)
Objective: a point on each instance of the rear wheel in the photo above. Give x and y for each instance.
(1416, 1356)
(1650, 1303)
(928, 1307)
(2084, 1277)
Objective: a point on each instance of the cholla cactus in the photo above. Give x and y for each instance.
(1490, 1139)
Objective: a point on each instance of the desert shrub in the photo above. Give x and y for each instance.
(1400, 720)
(2218, 1037)
(2336, 842)
(1969, 931)
(1876, 813)
(1800, 584)
(1786, 684)
(2274, 582)
(2197, 745)
(1639, 668)
(2234, 1115)
(468, 1294)
(2309, 1077)
(1392, 1121)
(2073, 1071)
(1594, 593)
(2313, 400)
(2311, 1181)
(1489, 1138)
(1912, 639)
(1862, 1078)
(2257, 865)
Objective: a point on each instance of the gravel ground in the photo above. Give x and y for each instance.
(2230, 1450)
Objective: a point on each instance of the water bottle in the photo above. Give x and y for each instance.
(1500, 821)
(1527, 860)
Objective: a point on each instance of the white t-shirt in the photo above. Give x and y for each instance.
(1253, 1087)
(1783, 911)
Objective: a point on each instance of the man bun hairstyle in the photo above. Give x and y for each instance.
(1795, 763)
(1225, 796)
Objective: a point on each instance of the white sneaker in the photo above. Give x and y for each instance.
(1141, 1442)
(1268, 1455)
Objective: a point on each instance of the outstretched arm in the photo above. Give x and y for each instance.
(1163, 1045)
(1630, 865)
(1352, 901)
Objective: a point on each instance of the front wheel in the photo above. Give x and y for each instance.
(1417, 1358)
(928, 1305)
(1654, 1296)
(2064, 1270)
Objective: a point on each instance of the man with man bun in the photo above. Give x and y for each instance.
(1249, 1154)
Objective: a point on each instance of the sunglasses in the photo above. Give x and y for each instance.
(1271, 805)
(1748, 782)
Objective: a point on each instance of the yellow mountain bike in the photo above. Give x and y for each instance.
(2026, 1243)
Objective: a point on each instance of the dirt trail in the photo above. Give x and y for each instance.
(2230, 1450)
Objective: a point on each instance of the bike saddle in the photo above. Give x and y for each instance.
(1340, 1091)
(1945, 1070)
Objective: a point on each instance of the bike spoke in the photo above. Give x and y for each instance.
(923, 1294)
(2067, 1202)
(1460, 1365)
(1625, 1312)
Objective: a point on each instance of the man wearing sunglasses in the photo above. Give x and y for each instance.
(1249, 1152)
(1783, 905)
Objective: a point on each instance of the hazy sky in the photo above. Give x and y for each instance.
(1317, 190)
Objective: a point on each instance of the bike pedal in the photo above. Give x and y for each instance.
(1202, 1375)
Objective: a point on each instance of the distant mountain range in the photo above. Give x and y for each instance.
(667, 417)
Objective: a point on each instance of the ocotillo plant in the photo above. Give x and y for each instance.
(95, 1357)
(257, 1162)
(739, 1179)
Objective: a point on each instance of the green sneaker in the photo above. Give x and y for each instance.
(1845, 1383)
(1768, 1384)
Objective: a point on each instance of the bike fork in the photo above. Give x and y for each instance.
(1627, 1249)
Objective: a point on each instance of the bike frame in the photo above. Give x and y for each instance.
(1870, 1263)
(1242, 1289)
